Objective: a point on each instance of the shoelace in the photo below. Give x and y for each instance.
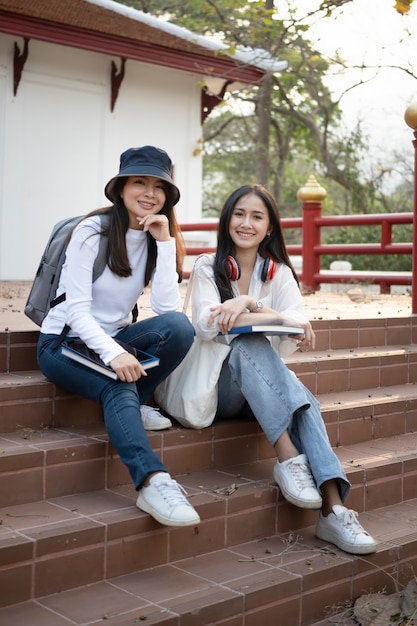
(301, 474)
(149, 411)
(349, 519)
(172, 492)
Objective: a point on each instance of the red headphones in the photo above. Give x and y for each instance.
(269, 268)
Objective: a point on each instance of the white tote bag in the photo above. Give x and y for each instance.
(189, 393)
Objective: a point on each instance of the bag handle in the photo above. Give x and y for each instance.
(188, 292)
(190, 284)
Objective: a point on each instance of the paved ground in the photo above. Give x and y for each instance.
(346, 303)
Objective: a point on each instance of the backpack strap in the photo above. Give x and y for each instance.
(64, 332)
(101, 258)
(98, 268)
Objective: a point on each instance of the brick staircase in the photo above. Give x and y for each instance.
(74, 549)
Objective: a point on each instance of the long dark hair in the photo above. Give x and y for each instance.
(117, 258)
(272, 246)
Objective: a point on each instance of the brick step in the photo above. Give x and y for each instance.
(367, 414)
(344, 370)
(44, 462)
(94, 555)
(69, 517)
(18, 348)
(365, 333)
(287, 579)
(28, 400)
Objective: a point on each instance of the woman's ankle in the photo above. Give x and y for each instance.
(284, 448)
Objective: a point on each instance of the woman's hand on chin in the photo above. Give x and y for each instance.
(157, 225)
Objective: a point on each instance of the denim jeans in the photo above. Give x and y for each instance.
(256, 380)
(168, 336)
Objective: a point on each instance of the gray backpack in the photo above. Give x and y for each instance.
(42, 294)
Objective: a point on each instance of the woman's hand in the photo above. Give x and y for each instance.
(308, 340)
(127, 367)
(157, 225)
(227, 312)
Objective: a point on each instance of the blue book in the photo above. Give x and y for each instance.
(80, 353)
(267, 329)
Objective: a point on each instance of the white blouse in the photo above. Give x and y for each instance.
(281, 294)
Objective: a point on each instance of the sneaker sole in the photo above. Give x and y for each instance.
(302, 504)
(166, 521)
(157, 427)
(344, 545)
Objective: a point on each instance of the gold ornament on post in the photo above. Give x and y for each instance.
(402, 6)
(311, 191)
(410, 115)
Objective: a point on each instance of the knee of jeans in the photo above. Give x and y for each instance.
(122, 394)
(246, 346)
(182, 330)
(249, 339)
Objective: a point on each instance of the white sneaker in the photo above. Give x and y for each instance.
(152, 419)
(343, 530)
(296, 482)
(165, 500)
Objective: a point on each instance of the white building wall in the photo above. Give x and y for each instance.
(60, 143)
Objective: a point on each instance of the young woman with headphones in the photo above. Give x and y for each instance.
(250, 280)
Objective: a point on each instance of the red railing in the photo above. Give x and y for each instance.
(313, 276)
(311, 250)
(311, 223)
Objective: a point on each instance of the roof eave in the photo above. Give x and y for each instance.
(198, 63)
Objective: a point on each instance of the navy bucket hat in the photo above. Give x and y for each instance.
(143, 161)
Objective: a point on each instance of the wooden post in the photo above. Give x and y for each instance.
(311, 195)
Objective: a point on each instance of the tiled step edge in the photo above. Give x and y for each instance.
(293, 575)
(28, 400)
(84, 538)
(46, 462)
(18, 349)
(344, 370)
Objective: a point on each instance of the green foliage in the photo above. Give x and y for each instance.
(306, 133)
(302, 116)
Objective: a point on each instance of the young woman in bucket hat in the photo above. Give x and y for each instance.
(144, 247)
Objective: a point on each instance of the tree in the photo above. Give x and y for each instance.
(292, 118)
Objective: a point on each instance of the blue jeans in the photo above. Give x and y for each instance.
(168, 336)
(256, 380)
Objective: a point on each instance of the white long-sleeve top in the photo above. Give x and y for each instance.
(96, 311)
(281, 294)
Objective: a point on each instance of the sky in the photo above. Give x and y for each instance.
(371, 31)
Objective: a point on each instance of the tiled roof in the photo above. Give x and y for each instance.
(84, 15)
(110, 21)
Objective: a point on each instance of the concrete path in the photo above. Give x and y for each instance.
(349, 302)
